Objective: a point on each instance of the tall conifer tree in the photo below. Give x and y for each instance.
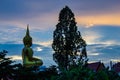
(67, 40)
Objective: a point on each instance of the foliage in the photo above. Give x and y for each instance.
(78, 72)
(7, 70)
(48, 73)
(23, 73)
(67, 40)
(83, 73)
(34, 73)
(10, 71)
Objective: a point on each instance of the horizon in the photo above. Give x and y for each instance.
(96, 53)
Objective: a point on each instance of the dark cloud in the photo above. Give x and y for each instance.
(15, 14)
(25, 8)
(11, 34)
(103, 52)
(11, 9)
(96, 6)
(103, 34)
(108, 32)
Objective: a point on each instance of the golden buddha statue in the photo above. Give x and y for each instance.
(27, 52)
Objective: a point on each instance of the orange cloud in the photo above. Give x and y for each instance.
(101, 19)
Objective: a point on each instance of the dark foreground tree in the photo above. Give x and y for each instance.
(7, 69)
(68, 44)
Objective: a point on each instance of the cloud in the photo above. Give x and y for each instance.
(103, 52)
(101, 19)
(40, 22)
(100, 34)
(115, 60)
(11, 10)
(45, 43)
(43, 16)
(15, 57)
(10, 34)
(86, 7)
(91, 37)
(38, 49)
(40, 16)
(109, 42)
(93, 54)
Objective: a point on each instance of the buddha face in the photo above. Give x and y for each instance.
(28, 43)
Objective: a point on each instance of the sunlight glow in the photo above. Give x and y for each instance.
(93, 54)
(15, 57)
(89, 25)
(46, 43)
(109, 42)
(91, 37)
(101, 19)
(115, 60)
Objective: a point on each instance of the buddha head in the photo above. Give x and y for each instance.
(27, 40)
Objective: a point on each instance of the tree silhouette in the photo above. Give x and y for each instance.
(67, 40)
(7, 69)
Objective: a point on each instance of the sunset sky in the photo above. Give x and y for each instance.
(97, 20)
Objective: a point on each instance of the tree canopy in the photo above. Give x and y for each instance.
(67, 40)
